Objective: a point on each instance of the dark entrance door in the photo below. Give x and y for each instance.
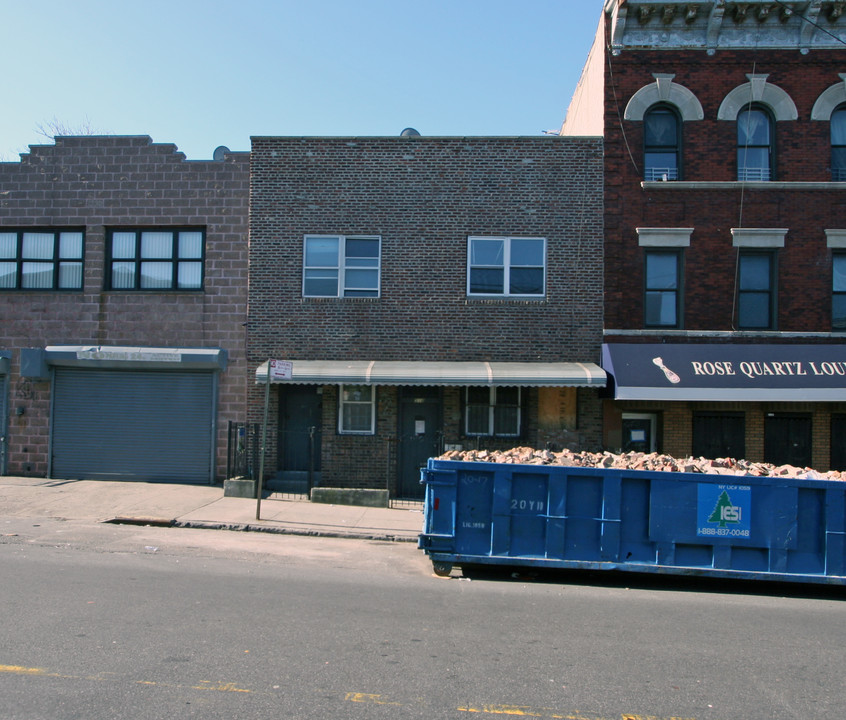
(300, 433)
(419, 437)
(719, 435)
(787, 440)
(639, 432)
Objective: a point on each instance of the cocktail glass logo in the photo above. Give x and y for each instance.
(724, 511)
(669, 374)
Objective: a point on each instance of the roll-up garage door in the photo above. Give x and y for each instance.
(133, 425)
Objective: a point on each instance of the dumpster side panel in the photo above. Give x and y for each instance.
(752, 527)
(636, 546)
(439, 511)
(474, 511)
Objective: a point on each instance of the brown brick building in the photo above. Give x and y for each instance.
(724, 127)
(123, 272)
(429, 293)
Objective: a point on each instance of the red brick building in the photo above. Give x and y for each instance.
(123, 271)
(429, 293)
(724, 127)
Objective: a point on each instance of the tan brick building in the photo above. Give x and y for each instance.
(123, 271)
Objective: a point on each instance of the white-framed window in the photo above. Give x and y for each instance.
(756, 291)
(41, 259)
(341, 266)
(357, 412)
(155, 259)
(662, 288)
(493, 411)
(506, 266)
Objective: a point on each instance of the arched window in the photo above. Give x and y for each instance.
(838, 144)
(661, 143)
(755, 152)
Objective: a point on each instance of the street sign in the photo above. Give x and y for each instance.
(279, 369)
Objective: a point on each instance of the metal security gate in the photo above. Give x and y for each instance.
(133, 425)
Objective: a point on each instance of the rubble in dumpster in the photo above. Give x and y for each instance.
(639, 461)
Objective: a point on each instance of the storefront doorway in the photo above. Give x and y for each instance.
(640, 432)
(787, 439)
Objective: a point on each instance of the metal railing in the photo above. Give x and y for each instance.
(658, 173)
(753, 174)
(242, 460)
(242, 451)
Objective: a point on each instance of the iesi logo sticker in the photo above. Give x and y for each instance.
(724, 511)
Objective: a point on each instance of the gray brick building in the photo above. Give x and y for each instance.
(123, 271)
(430, 293)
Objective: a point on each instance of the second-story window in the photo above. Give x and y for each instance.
(155, 259)
(41, 259)
(755, 145)
(838, 144)
(838, 292)
(506, 267)
(661, 144)
(341, 266)
(756, 291)
(662, 289)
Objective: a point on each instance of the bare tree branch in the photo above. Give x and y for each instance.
(55, 127)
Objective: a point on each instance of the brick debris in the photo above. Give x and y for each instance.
(639, 461)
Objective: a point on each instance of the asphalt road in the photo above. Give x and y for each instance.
(119, 622)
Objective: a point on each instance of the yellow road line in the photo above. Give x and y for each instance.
(358, 697)
(20, 670)
(526, 711)
(41, 672)
(220, 687)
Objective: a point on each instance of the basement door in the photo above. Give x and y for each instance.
(133, 425)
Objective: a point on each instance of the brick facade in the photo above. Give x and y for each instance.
(100, 183)
(799, 198)
(423, 197)
(802, 149)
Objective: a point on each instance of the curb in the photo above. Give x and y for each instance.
(246, 527)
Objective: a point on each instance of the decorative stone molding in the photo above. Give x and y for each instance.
(829, 99)
(663, 237)
(758, 90)
(664, 90)
(835, 239)
(758, 237)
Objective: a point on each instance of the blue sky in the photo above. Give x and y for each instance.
(204, 73)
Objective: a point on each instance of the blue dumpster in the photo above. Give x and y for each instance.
(784, 529)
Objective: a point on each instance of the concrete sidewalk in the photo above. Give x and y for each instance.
(200, 506)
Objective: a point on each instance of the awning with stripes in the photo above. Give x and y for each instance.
(410, 372)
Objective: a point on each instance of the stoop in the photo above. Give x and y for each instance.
(240, 487)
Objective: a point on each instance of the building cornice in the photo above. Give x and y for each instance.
(714, 25)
